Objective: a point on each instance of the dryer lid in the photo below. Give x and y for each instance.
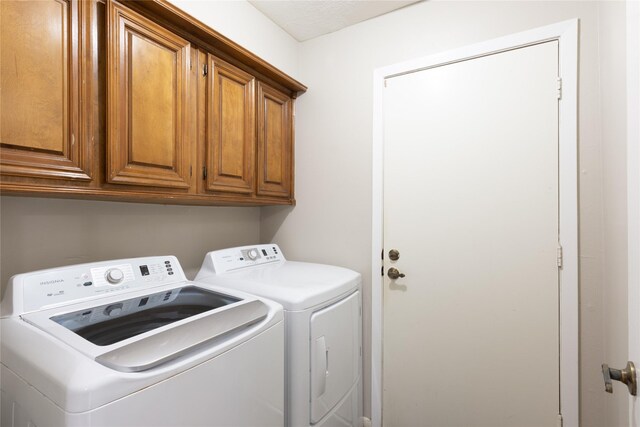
(296, 285)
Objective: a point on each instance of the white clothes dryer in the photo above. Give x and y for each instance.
(323, 322)
(133, 343)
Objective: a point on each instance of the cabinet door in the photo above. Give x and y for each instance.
(230, 143)
(147, 84)
(40, 114)
(275, 148)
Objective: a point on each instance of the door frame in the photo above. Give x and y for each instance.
(633, 192)
(566, 33)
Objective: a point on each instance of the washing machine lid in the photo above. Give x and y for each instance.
(111, 323)
(130, 315)
(296, 285)
(140, 333)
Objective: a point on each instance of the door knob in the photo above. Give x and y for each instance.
(393, 273)
(626, 376)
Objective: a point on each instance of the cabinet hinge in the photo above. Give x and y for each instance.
(204, 172)
(559, 257)
(559, 87)
(205, 70)
(559, 420)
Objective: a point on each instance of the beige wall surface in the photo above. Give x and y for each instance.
(332, 220)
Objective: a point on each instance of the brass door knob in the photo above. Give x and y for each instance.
(626, 376)
(393, 273)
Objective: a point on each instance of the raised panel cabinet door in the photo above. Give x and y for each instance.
(42, 65)
(147, 84)
(275, 148)
(230, 146)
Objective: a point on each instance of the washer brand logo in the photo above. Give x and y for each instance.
(51, 282)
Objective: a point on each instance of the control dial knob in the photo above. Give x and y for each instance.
(252, 254)
(114, 276)
(113, 309)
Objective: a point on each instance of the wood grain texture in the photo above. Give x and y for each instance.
(148, 87)
(275, 145)
(230, 144)
(40, 131)
(28, 91)
(152, 103)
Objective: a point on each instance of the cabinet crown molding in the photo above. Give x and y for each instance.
(199, 33)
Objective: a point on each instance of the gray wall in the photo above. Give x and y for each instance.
(43, 233)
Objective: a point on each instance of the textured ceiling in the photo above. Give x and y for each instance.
(306, 19)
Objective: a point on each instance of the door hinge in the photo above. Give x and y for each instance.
(559, 420)
(559, 87)
(385, 82)
(205, 69)
(204, 172)
(190, 170)
(559, 257)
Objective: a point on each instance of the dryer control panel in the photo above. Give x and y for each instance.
(39, 289)
(232, 259)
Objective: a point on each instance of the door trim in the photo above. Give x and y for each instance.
(566, 33)
(633, 191)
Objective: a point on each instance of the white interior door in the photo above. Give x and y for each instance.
(633, 192)
(471, 334)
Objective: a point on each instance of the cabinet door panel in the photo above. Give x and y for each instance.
(275, 149)
(147, 84)
(40, 108)
(231, 134)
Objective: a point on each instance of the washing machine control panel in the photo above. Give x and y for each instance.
(227, 260)
(78, 282)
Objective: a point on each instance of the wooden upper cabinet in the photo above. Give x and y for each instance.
(230, 140)
(41, 67)
(275, 148)
(107, 99)
(148, 85)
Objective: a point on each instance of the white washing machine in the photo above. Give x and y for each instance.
(323, 319)
(133, 343)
